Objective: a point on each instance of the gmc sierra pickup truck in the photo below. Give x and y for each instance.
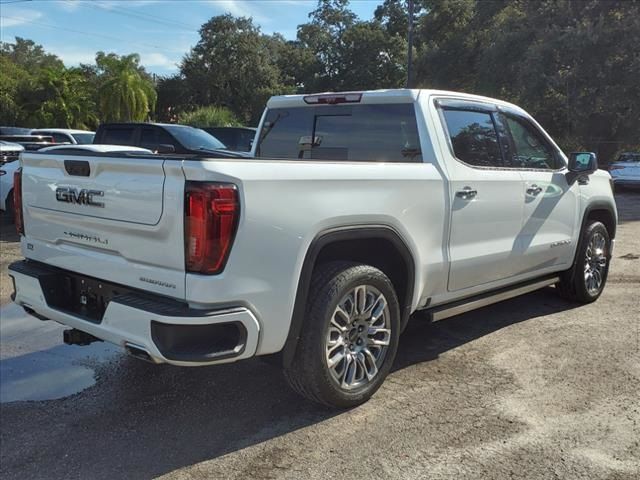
(357, 210)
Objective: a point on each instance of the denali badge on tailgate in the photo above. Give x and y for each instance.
(81, 197)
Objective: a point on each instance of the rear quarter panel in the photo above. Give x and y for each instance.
(286, 204)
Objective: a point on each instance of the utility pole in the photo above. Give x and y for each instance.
(410, 42)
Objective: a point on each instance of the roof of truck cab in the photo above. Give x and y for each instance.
(398, 95)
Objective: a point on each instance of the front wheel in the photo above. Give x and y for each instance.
(585, 281)
(349, 337)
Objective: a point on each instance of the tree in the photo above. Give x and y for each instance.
(29, 55)
(64, 99)
(210, 116)
(173, 98)
(126, 92)
(324, 38)
(233, 65)
(36, 89)
(372, 59)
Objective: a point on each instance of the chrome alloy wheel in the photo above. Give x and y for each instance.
(358, 337)
(595, 263)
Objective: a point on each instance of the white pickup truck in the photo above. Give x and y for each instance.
(356, 210)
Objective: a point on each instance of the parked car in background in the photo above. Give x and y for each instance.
(9, 151)
(14, 131)
(65, 135)
(29, 142)
(7, 170)
(239, 139)
(162, 138)
(625, 171)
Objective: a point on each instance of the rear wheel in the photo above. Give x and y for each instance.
(350, 335)
(585, 281)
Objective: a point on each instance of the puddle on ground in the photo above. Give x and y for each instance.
(36, 365)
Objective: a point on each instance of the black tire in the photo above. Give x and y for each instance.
(573, 283)
(309, 373)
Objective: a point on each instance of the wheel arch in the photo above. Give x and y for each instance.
(340, 244)
(603, 212)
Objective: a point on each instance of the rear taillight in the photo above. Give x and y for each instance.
(211, 213)
(17, 201)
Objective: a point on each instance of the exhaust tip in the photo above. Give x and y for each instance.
(138, 352)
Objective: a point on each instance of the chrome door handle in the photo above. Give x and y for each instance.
(534, 189)
(466, 193)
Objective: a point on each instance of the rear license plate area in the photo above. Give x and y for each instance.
(79, 295)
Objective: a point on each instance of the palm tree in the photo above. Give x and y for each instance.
(126, 92)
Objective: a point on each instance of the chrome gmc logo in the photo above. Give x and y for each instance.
(80, 197)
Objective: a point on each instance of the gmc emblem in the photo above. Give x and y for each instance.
(82, 197)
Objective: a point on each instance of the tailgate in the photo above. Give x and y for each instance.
(117, 218)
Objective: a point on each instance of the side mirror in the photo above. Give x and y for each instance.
(583, 162)
(165, 148)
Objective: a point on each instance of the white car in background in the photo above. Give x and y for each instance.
(625, 171)
(9, 151)
(9, 155)
(7, 170)
(66, 135)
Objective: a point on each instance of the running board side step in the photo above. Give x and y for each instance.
(478, 301)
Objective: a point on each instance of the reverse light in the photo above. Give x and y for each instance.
(333, 98)
(212, 211)
(17, 201)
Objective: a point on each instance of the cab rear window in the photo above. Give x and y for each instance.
(370, 133)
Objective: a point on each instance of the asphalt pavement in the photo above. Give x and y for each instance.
(532, 388)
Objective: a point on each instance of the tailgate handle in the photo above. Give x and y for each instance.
(77, 168)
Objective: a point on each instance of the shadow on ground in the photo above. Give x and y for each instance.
(141, 420)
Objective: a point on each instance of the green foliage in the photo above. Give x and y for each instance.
(36, 90)
(573, 64)
(232, 65)
(210, 116)
(62, 98)
(126, 93)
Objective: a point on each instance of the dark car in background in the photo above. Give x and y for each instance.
(239, 139)
(162, 138)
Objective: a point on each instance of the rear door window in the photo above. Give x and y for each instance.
(61, 138)
(374, 133)
(149, 138)
(118, 136)
(474, 137)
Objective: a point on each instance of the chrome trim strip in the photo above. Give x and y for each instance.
(491, 299)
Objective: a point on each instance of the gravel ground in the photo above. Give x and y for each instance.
(532, 388)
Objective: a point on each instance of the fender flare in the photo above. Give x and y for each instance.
(600, 205)
(595, 205)
(326, 237)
